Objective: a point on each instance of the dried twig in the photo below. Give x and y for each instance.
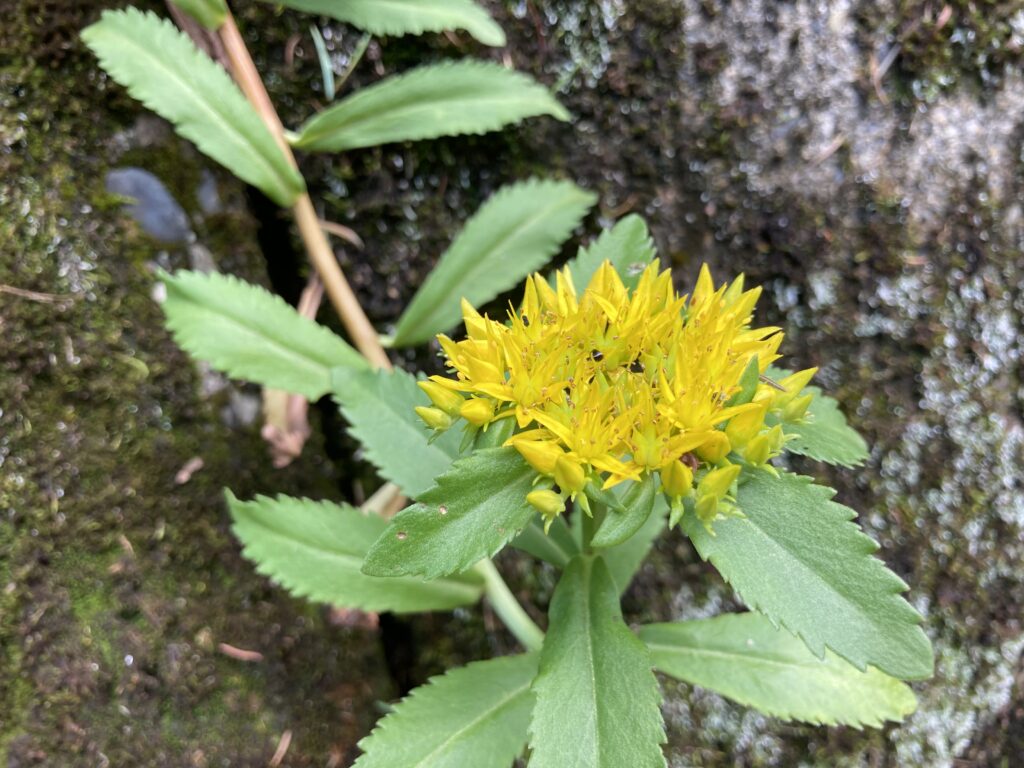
(239, 654)
(45, 298)
(340, 230)
(282, 749)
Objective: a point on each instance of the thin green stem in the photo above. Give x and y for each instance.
(591, 523)
(508, 608)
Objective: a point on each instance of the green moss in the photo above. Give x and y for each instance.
(945, 44)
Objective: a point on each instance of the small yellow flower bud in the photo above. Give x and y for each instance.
(734, 291)
(777, 437)
(448, 401)
(478, 411)
(794, 385)
(539, 454)
(476, 325)
(797, 409)
(569, 475)
(647, 448)
(677, 479)
(758, 450)
(718, 481)
(715, 448)
(548, 503)
(434, 418)
(743, 427)
(707, 509)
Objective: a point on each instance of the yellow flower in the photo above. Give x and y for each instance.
(611, 384)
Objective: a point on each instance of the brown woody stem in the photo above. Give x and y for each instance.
(340, 293)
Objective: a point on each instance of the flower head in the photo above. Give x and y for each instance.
(608, 385)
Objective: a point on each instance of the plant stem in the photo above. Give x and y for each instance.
(508, 608)
(363, 334)
(591, 523)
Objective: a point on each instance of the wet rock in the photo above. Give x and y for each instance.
(154, 208)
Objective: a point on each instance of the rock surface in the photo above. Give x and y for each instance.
(861, 159)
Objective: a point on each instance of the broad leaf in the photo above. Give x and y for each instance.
(797, 557)
(436, 100)
(743, 657)
(627, 245)
(164, 70)
(379, 407)
(597, 698)
(315, 550)
(619, 526)
(477, 507)
(210, 13)
(624, 560)
(406, 17)
(513, 234)
(251, 334)
(823, 434)
(557, 546)
(475, 716)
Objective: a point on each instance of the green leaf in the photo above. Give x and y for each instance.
(624, 560)
(597, 698)
(406, 17)
(379, 407)
(476, 508)
(743, 657)
(557, 546)
(315, 550)
(164, 70)
(473, 716)
(797, 557)
(619, 526)
(749, 380)
(251, 334)
(209, 13)
(627, 245)
(823, 434)
(513, 234)
(436, 100)
(610, 498)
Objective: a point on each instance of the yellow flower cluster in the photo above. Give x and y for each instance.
(613, 384)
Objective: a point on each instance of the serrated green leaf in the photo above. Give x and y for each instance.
(597, 698)
(315, 550)
(379, 407)
(619, 526)
(513, 234)
(210, 13)
(249, 333)
(477, 507)
(627, 245)
(557, 546)
(624, 560)
(406, 17)
(743, 657)
(436, 100)
(475, 716)
(164, 70)
(823, 434)
(798, 558)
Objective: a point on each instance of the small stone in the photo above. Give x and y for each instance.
(154, 209)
